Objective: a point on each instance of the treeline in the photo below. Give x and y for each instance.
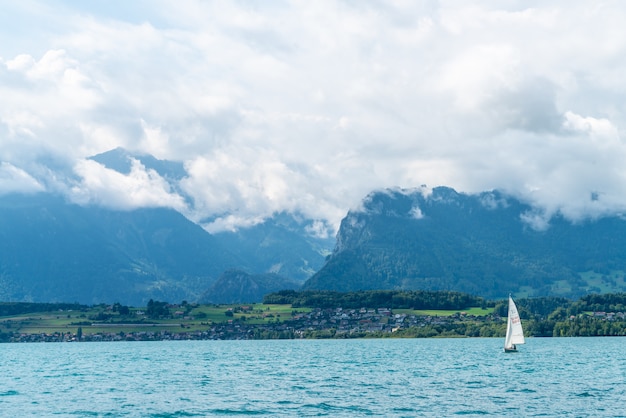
(588, 326)
(561, 308)
(393, 299)
(537, 308)
(610, 302)
(530, 308)
(21, 308)
(154, 309)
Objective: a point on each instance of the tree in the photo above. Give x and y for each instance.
(156, 309)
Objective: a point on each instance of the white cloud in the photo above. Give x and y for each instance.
(492, 202)
(21, 63)
(308, 106)
(416, 213)
(16, 180)
(537, 220)
(252, 184)
(140, 188)
(601, 129)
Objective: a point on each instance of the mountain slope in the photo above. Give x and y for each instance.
(51, 250)
(236, 286)
(120, 159)
(280, 245)
(54, 251)
(477, 244)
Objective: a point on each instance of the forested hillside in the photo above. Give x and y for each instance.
(479, 244)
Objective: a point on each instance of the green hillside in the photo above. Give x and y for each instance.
(477, 244)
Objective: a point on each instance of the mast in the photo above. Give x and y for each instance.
(507, 339)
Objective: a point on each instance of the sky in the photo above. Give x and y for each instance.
(307, 106)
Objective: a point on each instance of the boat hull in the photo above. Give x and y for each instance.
(510, 350)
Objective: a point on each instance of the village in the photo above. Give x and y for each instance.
(250, 323)
(318, 323)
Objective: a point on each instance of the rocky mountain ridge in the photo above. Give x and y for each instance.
(480, 244)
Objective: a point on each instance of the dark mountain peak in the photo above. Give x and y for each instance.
(421, 203)
(388, 202)
(415, 203)
(117, 159)
(120, 160)
(444, 193)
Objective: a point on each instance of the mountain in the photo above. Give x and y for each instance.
(236, 286)
(54, 251)
(120, 160)
(479, 244)
(281, 245)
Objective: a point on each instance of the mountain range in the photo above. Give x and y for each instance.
(52, 250)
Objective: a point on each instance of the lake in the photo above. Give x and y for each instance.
(582, 377)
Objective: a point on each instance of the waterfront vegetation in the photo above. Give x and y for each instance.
(314, 314)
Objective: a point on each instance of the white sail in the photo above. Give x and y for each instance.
(514, 331)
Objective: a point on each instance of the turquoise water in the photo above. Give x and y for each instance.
(307, 378)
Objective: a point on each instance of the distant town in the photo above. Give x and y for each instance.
(161, 321)
(317, 323)
(320, 323)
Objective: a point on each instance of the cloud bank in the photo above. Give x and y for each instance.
(308, 106)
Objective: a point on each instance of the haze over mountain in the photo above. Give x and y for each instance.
(285, 243)
(237, 114)
(55, 250)
(236, 286)
(51, 250)
(488, 244)
(305, 107)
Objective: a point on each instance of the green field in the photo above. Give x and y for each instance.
(101, 319)
(612, 282)
(191, 318)
(592, 282)
(256, 313)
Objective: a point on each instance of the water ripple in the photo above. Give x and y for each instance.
(351, 378)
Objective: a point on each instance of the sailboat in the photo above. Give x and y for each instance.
(514, 331)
